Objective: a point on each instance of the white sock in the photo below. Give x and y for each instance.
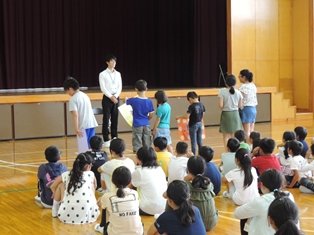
(55, 208)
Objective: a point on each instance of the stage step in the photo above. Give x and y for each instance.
(282, 110)
(304, 116)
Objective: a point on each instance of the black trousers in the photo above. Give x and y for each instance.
(242, 224)
(111, 112)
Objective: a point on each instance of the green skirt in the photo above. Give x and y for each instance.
(230, 122)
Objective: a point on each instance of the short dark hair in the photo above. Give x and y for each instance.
(254, 135)
(96, 143)
(182, 147)
(288, 135)
(147, 156)
(117, 145)
(267, 145)
(141, 85)
(52, 154)
(71, 83)
(247, 74)
(271, 179)
(240, 135)
(295, 146)
(207, 153)
(110, 57)
(161, 97)
(161, 143)
(300, 132)
(233, 144)
(192, 95)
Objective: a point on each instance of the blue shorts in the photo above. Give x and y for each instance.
(164, 132)
(90, 132)
(248, 114)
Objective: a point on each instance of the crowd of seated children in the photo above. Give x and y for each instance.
(256, 210)
(211, 170)
(74, 193)
(116, 148)
(201, 189)
(177, 168)
(228, 159)
(99, 157)
(120, 207)
(150, 181)
(264, 158)
(46, 175)
(163, 156)
(240, 135)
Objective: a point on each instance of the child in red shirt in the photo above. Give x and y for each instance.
(265, 159)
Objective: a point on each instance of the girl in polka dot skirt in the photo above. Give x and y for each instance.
(74, 193)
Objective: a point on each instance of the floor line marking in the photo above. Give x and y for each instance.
(17, 169)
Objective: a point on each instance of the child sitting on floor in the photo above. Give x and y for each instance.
(211, 170)
(46, 175)
(202, 195)
(177, 167)
(163, 156)
(98, 156)
(240, 135)
(228, 159)
(121, 206)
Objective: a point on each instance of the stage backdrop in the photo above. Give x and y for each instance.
(174, 43)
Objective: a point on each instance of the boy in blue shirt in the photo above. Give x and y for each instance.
(142, 112)
(211, 170)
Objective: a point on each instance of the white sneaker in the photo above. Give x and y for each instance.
(38, 201)
(106, 144)
(99, 228)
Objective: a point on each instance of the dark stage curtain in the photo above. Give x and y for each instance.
(176, 43)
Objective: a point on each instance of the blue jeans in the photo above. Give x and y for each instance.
(196, 136)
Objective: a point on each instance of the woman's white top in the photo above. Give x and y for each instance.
(248, 91)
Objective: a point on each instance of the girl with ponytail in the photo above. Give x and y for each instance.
(283, 216)
(230, 101)
(122, 207)
(256, 210)
(202, 194)
(74, 193)
(242, 182)
(184, 218)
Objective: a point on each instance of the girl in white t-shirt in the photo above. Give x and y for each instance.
(121, 206)
(117, 148)
(242, 182)
(150, 181)
(248, 90)
(257, 209)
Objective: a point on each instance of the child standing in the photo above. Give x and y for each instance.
(98, 156)
(46, 175)
(266, 159)
(183, 219)
(162, 124)
(202, 195)
(248, 90)
(177, 167)
(257, 209)
(228, 158)
(242, 182)
(150, 181)
(74, 193)
(211, 170)
(122, 207)
(82, 113)
(163, 156)
(195, 112)
(142, 112)
(116, 148)
(230, 101)
(240, 135)
(301, 134)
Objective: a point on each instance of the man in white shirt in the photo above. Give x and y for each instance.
(111, 86)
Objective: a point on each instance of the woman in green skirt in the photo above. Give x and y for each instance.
(230, 101)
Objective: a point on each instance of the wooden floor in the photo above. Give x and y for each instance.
(19, 161)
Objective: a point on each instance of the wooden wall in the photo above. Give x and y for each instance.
(272, 39)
